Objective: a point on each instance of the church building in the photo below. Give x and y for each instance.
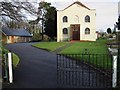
(76, 22)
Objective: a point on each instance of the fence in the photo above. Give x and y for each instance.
(84, 70)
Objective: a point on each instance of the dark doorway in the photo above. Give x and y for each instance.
(75, 31)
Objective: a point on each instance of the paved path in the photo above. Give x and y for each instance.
(37, 68)
(61, 48)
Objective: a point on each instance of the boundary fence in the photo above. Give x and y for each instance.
(84, 70)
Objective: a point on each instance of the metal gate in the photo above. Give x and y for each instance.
(84, 70)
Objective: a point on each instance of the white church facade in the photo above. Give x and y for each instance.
(76, 22)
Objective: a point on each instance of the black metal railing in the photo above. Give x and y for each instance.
(5, 68)
(84, 70)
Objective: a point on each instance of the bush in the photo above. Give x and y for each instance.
(110, 36)
(36, 37)
(53, 39)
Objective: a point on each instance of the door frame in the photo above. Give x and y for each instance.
(72, 28)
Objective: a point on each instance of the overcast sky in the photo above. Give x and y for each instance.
(106, 10)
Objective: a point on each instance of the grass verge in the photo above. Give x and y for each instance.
(49, 46)
(15, 60)
(15, 57)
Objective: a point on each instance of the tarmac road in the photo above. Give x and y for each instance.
(37, 68)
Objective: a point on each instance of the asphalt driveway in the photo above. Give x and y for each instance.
(37, 68)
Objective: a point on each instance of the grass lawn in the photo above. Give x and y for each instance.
(50, 46)
(98, 47)
(97, 51)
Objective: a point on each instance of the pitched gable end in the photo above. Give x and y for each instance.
(79, 3)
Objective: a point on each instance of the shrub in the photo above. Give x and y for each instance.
(36, 37)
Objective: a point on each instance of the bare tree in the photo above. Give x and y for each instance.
(14, 10)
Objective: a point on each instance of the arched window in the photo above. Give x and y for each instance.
(76, 19)
(65, 31)
(87, 31)
(87, 18)
(65, 19)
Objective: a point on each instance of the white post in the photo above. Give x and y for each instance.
(10, 67)
(114, 77)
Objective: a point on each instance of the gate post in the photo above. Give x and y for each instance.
(114, 76)
(10, 67)
(6, 66)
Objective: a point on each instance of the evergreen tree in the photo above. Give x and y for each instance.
(51, 22)
(109, 31)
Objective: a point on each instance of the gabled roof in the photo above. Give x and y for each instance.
(15, 32)
(79, 3)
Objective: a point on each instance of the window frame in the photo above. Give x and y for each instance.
(87, 31)
(65, 19)
(87, 18)
(65, 31)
